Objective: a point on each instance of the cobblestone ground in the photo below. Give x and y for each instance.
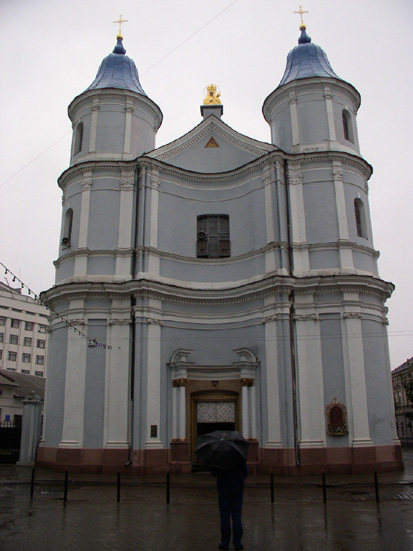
(92, 519)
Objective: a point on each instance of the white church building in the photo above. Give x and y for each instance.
(222, 283)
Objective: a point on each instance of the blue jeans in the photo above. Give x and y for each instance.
(230, 504)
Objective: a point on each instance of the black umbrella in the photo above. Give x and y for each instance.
(222, 449)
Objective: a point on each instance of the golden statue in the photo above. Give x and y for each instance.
(212, 96)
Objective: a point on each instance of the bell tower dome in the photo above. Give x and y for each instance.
(113, 118)
(312, 109)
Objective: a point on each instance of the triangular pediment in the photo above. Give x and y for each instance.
(211, 147)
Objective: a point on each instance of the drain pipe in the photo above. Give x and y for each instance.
(292, 328)
(132, 331)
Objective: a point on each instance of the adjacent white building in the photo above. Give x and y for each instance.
(24, 324)
(225, 283)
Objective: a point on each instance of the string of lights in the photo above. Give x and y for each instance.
(70, 325)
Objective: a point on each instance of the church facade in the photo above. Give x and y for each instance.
(221, 282)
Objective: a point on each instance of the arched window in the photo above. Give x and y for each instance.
(67, 229)
(78, 138)
(347, 126)
(360, 218)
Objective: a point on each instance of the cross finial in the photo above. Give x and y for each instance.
(120, 21)
(301, 11)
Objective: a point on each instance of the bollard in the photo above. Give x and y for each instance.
(376, 484)
(324, 488)
(118, 496)
(272, 487)
(66, 484)
(32, 485)
(168, 487)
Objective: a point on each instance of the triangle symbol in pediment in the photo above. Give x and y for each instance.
(212, 143)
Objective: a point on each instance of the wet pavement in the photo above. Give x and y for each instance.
(93, 520)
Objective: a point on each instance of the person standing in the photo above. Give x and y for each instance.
(230, 486)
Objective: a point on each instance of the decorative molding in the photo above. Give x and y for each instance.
(180, 382)
(352, 315)
(269, 319)
(336, 418)
(306, 317)
(247, 381)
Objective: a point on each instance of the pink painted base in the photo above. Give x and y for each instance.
(177, 459)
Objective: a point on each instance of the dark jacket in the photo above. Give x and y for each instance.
(231, 481)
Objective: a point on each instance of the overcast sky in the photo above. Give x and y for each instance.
(50, 52)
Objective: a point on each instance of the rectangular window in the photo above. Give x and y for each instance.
(29, 325)
(42, 329)
(1, 354)
(2, 320)
(26, 358)
(27, 341)
(26, 371)
(13, 339)
(12, 356)
(40, 360)
(15, 323)
(1, 337)
(41, 343)
(213, 236)
(38, 373)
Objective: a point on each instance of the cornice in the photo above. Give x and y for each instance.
(271, 286)
(344, 158)
(94, 166)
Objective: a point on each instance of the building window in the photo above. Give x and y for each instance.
(360, 218)
(38, 373)
(41, 344)
(78, 138)
(42, 329)
(29, 326)
(1, 337)
(347, 126)
(13, 339)
(1, 354)
(12, 356)
(2, 321)
(67, 228)
(26, 371)
(26, 358)
(15, 323)
(27, 341)
(40, 360)
(213, 236)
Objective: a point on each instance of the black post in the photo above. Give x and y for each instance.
(324, 488)
(32, 485)
(168, 487)
(376, 484)
(66, 483)
(118, 497)
(272, 487)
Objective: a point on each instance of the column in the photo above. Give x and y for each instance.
(270, 265)
(180, 405)
(31, 429)
(294, 120)
(253, 414)
(298, 229)
(94, 126)
(81, 254)
(346, 253)
(153, 374)
(310, 381)
(246, 383)
(272, 386)
(117, 395)
(153, 261)
(330, 113)
(355, 378)
(128, 126)
(125, 231)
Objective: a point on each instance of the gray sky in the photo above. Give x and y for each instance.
(50, 52)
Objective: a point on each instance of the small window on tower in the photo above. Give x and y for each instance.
(78, 138)
(360, 218)
(213, 236)
(67, 230)
(347, 126)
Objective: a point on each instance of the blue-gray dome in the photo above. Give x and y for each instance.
(117, 70)
(306, 60)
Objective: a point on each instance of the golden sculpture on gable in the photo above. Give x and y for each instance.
(212, 96)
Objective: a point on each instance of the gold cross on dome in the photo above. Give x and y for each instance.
(301, 11)
(120, 21)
